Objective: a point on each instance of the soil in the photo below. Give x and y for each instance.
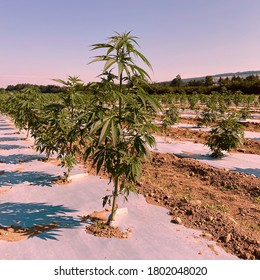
(104, 230)
(225, 205)
(60, 181)
(97, 225)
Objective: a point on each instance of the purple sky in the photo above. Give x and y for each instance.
(42, 40)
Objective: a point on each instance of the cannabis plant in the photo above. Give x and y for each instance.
(208, 116)
(224, 136)
(170, 117)
(120, 131)
(23, 107)
(56, 131)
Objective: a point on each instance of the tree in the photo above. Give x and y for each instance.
(120, 126)
(176, 82)
(209, 81)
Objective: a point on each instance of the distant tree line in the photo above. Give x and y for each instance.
(42, 88)
(247, 85)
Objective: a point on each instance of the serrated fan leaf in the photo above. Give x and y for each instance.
(99, 163)
(60, 81)
(144, 59)
(120, 68)
(96, 127)
(109, 63)
(97, 58)
(114, 132)
(104, 131)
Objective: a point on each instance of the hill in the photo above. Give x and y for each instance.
(223, 75)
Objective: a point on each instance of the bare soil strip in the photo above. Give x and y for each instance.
(222, 203)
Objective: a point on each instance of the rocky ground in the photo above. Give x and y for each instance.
(222, 203)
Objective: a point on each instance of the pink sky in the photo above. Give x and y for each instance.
(42, 40)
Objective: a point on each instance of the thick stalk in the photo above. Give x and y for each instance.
(114, 205)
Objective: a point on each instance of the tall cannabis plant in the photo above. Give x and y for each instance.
(120, 131)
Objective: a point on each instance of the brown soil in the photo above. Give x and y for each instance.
(3, 191)
(224, 204)
(250, 126)
(187, 134)
(17, 233)
(97, 226)
(60, 181)
(103, 230)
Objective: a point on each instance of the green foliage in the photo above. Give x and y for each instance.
(226, 135)
(170, 117)
(57, 129)
(222, 106)
(245, 112)
(24, 107)
(209, 81)
(176, 82)
(193, 101)
(208, 116)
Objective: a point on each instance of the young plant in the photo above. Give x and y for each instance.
(55, 131)
(245, 112)
(225, 136)
(170, 117)
(24, 106)
(208, 116)
(193, 101)
(120, 132)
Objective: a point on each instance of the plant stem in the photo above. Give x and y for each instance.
(120, 99)
(67, 174)
(114, 206)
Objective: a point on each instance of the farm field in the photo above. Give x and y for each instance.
(42, 220)
(117, 170)
(195, 191)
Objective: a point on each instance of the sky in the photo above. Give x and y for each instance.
(43, 40)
